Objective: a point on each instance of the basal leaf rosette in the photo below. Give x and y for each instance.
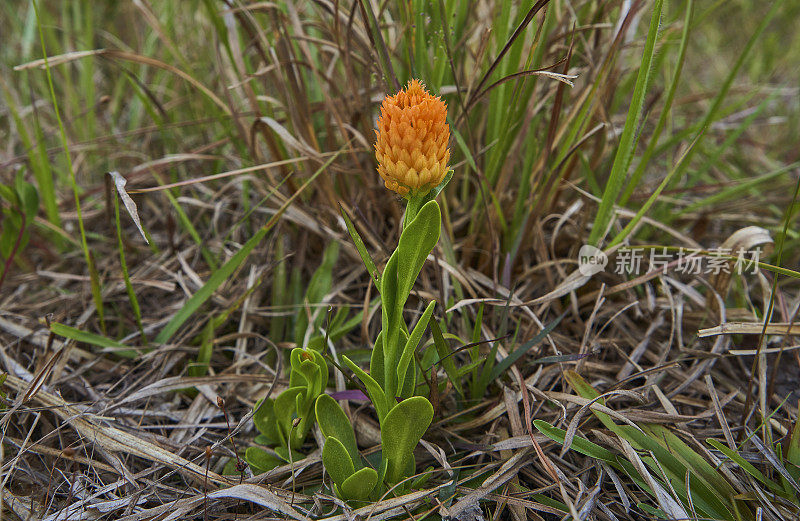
(412, 141)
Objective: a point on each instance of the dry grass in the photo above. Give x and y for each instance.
(219, 132)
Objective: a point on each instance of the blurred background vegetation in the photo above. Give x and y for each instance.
(646, 122)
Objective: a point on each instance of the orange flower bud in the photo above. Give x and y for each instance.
(412, 139)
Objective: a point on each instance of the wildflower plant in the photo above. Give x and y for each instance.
(284, 422)
(412, 153)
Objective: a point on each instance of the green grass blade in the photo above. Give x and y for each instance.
(621, 236)
(137, 312)
(362, 250)
(93, 339)
(227, 269)
(745, 465)
(376, 35)
(37, 158)
(627, 141)
(716, 105)
(504, 364)
(636, 177)
(187, 225)
(200, 367)
(739, 189)
(93, 275)
(445, 356)
(713, 159)
(280, 277)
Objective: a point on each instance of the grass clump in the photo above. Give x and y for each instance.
(191, 202)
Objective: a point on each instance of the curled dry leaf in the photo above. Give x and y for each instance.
(739, 243)
(130, 206)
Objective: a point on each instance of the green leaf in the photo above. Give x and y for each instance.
(383, 54)
(739, 189)
(333, 422)
(666, 463)
(265, 420)
(412, 343)
(438, 188)
(205, 348)
(279, 294)
(8, 237)
(285, 411)
(672, 458)
(690, 459)
(338, 319)
(420, 481)
(261, 460)
(633, 223)
(402, 270)
(415, 203)
(592, 450)
(322, 280)
(465, 369)
(376, 362)
(287, 457)
(409, 387)
(7, 193)
(666, 112)
(309, 370)
(716, 106)
(374, 390)
(416, 243)
(230, 468)
(336, 460)
(362, 249)
(583, 389)
(93, 275)
(401, 430)
(586, 447)
(264, 440)
(654, 512)
(579, 444)
(212, 284)
(360, 485)
(389, 318)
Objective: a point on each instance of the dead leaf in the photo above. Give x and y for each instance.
(130, 206)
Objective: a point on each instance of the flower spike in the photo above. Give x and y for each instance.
(412, 141)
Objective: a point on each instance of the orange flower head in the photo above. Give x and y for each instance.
(412, 139)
